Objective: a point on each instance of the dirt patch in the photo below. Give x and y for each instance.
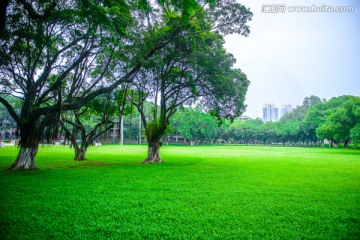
(96, 163)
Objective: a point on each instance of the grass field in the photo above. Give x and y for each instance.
(208, 192)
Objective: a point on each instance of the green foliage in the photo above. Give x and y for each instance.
(246, 131)
(208, 192)
(355, 134)
(155, 130)
(288, 131)
(103, 107)
(332, 120)
(123, 106)
(299, 113)
(335, 119)
(196, 125)
(96, 111)
(4, 114)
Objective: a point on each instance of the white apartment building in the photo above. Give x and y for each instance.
(270, 113)
(286, 108)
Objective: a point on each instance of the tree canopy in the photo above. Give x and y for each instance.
(57, 55)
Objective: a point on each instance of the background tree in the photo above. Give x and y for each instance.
(195, 125)
(340, 117)
(123, 108)
(89, 123)
(355, 131)
(288, 132)
(333, 119)
(306, 130)
(355, 134)
(267, 133)
(299, 113)
(223, 132)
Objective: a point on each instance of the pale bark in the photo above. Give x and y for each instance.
(153, 153)
(25, 159)
(121, 130)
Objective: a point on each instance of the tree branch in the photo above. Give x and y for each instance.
(10, 110)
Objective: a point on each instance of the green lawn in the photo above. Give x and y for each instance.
(208, 192)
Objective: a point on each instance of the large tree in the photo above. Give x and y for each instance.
(195, 69)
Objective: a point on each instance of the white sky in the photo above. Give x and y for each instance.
(289, 56)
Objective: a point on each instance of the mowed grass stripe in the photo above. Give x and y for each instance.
(202, 192)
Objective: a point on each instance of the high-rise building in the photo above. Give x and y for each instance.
(286, 108)
(270, 113)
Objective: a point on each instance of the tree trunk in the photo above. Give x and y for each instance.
(25, 159)
(30, 133)
(121, 130)
(80, 154)
(140, 128)
(153, 153)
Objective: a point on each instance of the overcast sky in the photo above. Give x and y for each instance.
(291, 55)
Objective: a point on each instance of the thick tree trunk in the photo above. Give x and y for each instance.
(80, 152)
(153, 153)
(29, 144)
(25, 159)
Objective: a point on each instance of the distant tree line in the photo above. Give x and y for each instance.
(313, 122)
